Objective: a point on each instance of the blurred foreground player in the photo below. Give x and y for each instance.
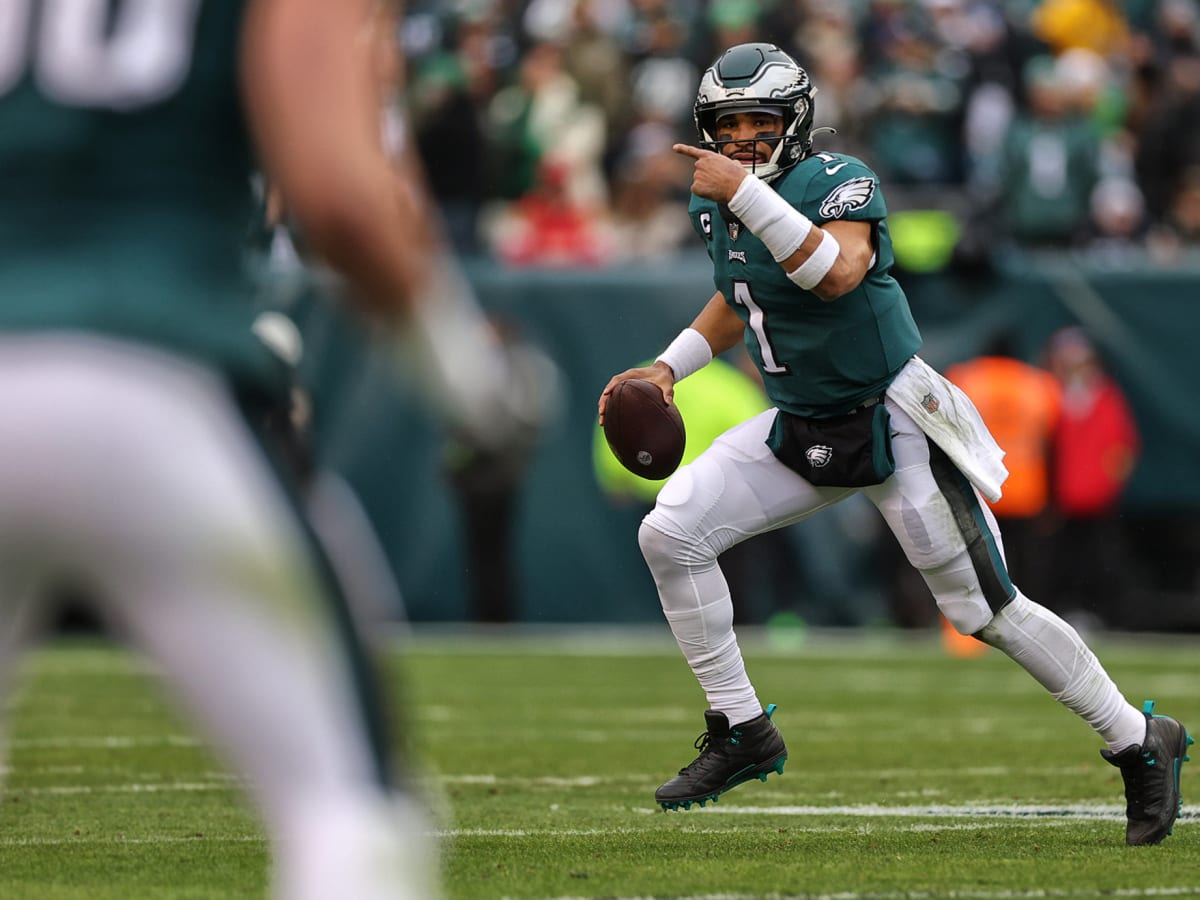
(801, 258)
(135, 396)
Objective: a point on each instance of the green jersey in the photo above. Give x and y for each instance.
(124, 178)
(817, 359)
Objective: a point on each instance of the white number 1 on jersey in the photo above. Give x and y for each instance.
(758, 324)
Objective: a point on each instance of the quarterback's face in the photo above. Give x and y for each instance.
(745, 136)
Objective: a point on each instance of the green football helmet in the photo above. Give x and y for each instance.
(758, 76)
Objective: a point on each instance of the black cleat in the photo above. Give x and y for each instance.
(728, 757)
(1151, 775)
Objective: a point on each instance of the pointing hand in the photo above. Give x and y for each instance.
(715, 177)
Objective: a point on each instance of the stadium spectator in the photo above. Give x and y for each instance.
(993, 92)
(1118, 224)
(1091, 89)
(732, 22)
(1051, 164)
(1183, 215)
(660, 69)
(1097, 25)
(595, 59)
(449, 97)
(488, 478)
(916, 126)
(547, 226)
(539, 119)
(848, 99)
(1096, 447)
(645, 223)
(1019, 403)
(799, 250)
(147, 428)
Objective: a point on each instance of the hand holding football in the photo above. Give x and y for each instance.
(645, 433)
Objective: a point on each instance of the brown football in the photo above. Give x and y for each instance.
(646, 433)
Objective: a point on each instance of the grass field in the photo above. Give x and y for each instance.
(912, 775)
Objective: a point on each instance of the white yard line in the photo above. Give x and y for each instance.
(634, 778)
(967, 815)
(104, 742)
(921, 895)
(939, 811)
(118, 840)
(542, 833)
(218, 781)
(66, 790)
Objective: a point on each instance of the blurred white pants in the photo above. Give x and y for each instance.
(131, 472)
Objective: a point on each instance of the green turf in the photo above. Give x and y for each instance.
(912, 774)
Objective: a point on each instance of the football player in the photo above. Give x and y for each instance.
(141, 444)
(802, 266)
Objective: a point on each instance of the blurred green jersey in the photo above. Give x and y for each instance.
(124, 177)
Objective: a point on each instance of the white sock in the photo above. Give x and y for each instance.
(356, 847)
(698, 607)
(1053, 653)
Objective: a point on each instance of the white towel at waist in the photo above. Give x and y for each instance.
(950, 420)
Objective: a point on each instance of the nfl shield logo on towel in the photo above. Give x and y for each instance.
(930, 403)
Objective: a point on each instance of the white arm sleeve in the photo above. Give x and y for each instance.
(772, 219)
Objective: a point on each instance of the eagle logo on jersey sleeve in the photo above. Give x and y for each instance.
(849, 195)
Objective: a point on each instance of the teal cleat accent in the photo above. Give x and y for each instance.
(1153, 799)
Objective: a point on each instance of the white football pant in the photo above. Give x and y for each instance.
(132, 473)
(737, 489)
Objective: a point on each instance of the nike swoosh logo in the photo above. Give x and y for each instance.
(833, 170)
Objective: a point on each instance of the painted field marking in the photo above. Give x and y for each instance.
(118, 840)
(542, 833)
(951, 894)
(67, 790)
(1001, 815)
(104, 742)
(1098, 812)
(599, 780)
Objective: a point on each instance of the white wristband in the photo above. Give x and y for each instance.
(779, 225)
(688, 353)
(810, 272)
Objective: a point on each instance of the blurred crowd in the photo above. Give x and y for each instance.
(547, 124)
(1072, 443)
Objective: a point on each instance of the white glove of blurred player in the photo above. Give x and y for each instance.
(460, 362)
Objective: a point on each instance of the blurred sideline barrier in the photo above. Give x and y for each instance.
(577, 554)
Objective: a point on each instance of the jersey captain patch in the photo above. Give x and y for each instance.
(853, 194)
